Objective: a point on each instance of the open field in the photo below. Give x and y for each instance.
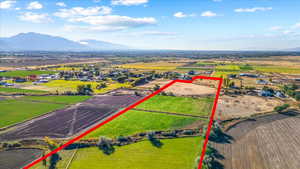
(244, 106)
(134, 122)
(277, 69)
(68, 85)
(152, 66)
(15, 111)
(270, 142)
(181, 89)
(69, 121)
(181, 105)
(24, 73)
(175, 153)
(27, 107)
(20, 91)
(14, 159)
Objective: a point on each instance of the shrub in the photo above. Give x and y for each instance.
(106, 145)
(281, 108)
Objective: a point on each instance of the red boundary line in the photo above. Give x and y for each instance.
(137, 103)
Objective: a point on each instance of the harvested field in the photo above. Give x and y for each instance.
(269, 142)
(244, 106)
(182, 89)
(14, 159)
(69, 121)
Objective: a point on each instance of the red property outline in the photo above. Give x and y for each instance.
(139, 102)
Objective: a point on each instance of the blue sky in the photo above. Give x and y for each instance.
(160, 24)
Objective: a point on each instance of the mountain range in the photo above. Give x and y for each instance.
(294, 49)
(41, 42)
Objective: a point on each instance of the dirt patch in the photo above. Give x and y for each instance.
(244, 106)
(182, 89)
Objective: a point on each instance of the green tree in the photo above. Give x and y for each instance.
(156, 87)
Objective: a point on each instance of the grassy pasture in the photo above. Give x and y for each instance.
(175, 153)
(183, 105)
(206, 63)
(24, 73)
(223, 73)
(228, 68)
(17, 90)
(21, 109)
(134, 122)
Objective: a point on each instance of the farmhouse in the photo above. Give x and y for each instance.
(261, 82)
(19, 80)
(249, 75)
(265, 93)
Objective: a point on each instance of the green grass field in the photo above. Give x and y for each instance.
(134, 122)
(16, 90)
(207, 64)
(21, 109)
(228, 68)
(175, 153)
(183, 105)
(24, 73)
(223, 73)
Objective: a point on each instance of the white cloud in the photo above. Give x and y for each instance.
(158, 33)
(180, 15)
(296, 26)
(255, 9)
(7, 4)
(61, 4)
(101, 28)
(217, 0)
(287, 32)
(208, 14)
(100, 19)
(276, 28)
(83, 43)
(115, 20)
(128, 2)
(35, 17)
(79, 11)
(183, 15)
(34, 5)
